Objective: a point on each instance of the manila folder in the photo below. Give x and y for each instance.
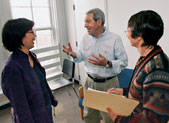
(101, 100)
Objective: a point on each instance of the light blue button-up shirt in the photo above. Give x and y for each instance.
(110, 46)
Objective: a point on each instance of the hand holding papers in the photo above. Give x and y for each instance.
(101, 100)
(115, 90)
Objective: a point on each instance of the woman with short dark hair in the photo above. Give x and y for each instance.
(23, 78)
(149, 83)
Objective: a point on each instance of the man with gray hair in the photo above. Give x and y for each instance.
(104, 56)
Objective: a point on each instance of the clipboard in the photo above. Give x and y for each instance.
(101, 100)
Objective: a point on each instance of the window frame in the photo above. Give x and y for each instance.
(53, 21)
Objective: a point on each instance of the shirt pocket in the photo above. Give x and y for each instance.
(107, 53)
(88, 51)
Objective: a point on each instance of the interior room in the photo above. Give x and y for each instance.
(58, 22)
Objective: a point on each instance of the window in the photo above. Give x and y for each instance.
(43, 14)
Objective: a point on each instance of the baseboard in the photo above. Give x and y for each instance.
(76, 81)
(5, 106)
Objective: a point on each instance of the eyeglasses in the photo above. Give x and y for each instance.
(126, 32)
(31, 32)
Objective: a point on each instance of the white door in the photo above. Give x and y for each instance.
(81, 7)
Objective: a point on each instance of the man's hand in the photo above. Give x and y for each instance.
(69, 50)
(100, 61)
(118, 91)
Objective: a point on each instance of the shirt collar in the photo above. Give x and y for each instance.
(105, 30)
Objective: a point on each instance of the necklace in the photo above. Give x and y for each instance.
(140, 60)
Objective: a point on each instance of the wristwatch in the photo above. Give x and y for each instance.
(108, 64)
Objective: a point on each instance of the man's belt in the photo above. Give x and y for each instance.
(100, 80)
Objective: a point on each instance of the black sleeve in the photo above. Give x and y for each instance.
(125, 91)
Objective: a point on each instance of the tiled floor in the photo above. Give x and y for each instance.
(5, 116)
(67, 110)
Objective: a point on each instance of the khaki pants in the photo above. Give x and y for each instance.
(92, 115)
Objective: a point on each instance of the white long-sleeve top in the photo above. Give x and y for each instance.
(110, 46)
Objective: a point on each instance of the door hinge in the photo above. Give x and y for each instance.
(74, 7)
(79, 77)
(76, 44)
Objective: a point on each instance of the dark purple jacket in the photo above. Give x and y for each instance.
(22, 87)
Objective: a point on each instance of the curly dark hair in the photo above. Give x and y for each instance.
(13, 32)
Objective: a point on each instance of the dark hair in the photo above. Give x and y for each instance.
(97, 14)
(147, 24)
(13, 32)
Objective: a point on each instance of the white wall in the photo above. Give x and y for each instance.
(70, 16)
(71, 31)
(119, 11)
(62, 25)
(5, 14)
